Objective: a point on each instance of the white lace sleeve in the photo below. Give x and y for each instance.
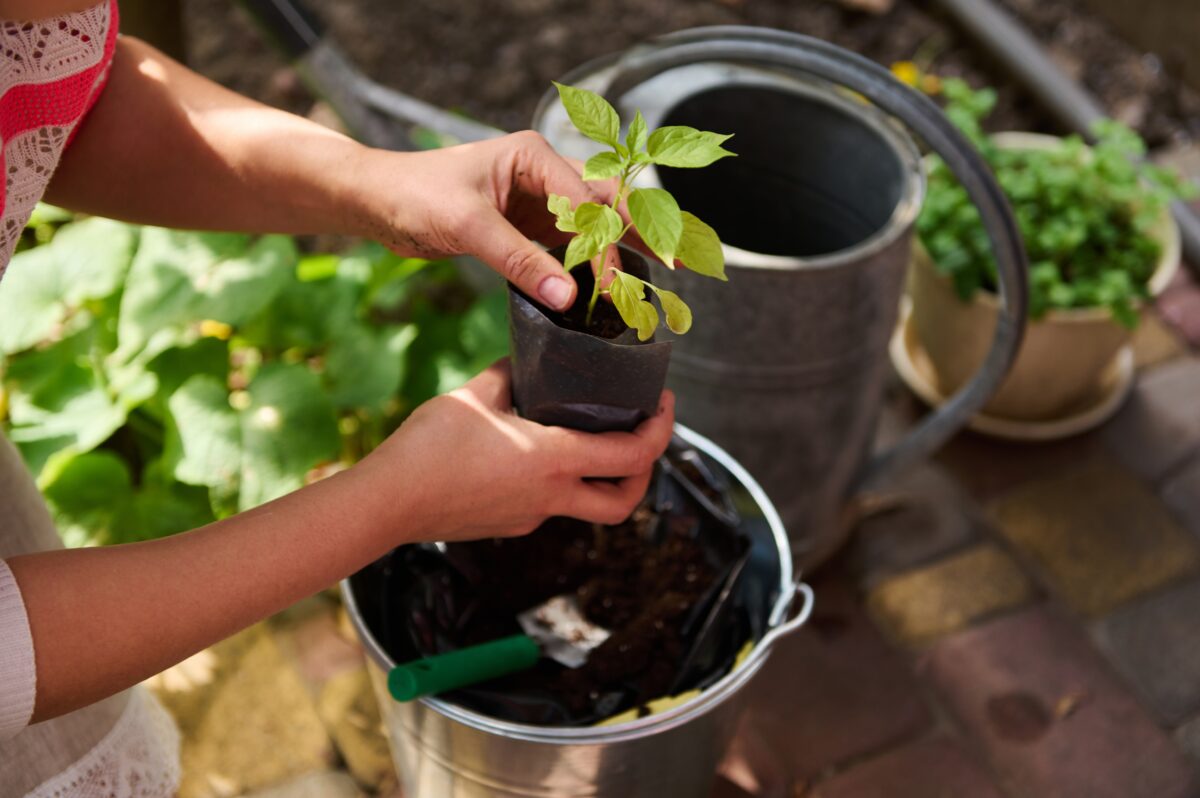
(138, 758)
(18, 676)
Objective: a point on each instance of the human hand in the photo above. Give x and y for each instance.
(486, 199)
(465, 466)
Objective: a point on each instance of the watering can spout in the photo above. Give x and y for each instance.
(787, 363)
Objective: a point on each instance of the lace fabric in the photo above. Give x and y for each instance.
(50, 74)
(138, 758)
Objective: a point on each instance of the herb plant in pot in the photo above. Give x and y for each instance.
(596, 366)
(1100, 240)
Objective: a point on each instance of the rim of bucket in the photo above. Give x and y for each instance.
(651, 724)
(596, 75)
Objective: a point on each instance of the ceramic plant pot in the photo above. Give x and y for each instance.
(1066, 356)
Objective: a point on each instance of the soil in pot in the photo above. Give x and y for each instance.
(594, 377)
(650, 581)
(606, 322)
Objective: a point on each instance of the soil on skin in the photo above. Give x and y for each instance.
(493, 61)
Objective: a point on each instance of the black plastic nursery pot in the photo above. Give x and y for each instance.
(565, 377)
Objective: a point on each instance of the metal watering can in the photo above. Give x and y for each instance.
(786, 365)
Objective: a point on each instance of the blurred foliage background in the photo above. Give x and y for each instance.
(155, 380)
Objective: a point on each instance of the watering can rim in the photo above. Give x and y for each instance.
(778, 626)
(796, 53)
(908, 205)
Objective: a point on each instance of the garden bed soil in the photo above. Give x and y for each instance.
(493, 61)
(647, 584)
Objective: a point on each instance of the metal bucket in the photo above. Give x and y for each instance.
(786, 364)
(444, 751)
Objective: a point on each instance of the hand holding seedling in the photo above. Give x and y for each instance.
(670, 233)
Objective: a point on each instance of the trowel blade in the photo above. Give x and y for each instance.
(560, 629)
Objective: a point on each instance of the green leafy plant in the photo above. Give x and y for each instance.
(1087, 215)
(670, 233)
(155, 380)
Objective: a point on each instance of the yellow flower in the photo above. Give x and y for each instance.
(215, 329)
(907, 72)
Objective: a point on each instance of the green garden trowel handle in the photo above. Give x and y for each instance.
(462, 668)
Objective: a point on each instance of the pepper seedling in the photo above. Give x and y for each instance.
(670, 233)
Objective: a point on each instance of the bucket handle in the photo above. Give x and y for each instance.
(808, 600)
(769, 49)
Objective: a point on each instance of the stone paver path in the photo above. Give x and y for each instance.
(1019, 621)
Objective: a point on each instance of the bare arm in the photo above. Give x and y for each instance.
(40, 9)
(165, 146)
(105, 618)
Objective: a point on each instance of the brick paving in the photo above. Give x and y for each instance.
(1098, 534)
(926, 603)
(1009, 620)
(1053, 720)
(1155, 643)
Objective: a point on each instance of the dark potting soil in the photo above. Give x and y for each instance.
(649, 581)
(494, 61)
(606, 321)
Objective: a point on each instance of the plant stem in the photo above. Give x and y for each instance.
(598, 271)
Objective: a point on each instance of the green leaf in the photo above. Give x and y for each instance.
(262, 451)
(209, 433)
(561, 208)
(700, 249)
(484, 333)
(628, 295)
(602, 166)
(599, 226)
(317, 267)
(45, 213)
(178, 279)
(288, 429)
(31, 307)
(62, 397)
(658, 220)
(580, 249)
(85, 493)
(679, 315)
(677, 145)
(85, 261)
(599, 221)
(635, 139)
(590, 113)
(155, 511)
(365, 366)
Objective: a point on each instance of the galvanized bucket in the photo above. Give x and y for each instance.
(444, 751)
(786, 364)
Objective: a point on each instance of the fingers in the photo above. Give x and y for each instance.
(618, 454)
(549, 173)
(522, 262)
(606, 502)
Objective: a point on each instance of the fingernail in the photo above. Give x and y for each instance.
(555, 292)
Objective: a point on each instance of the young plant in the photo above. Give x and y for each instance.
(1087, 214)
(670, 233)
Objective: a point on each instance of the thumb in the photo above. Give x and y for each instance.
(523, 263)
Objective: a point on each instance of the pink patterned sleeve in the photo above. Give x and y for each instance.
(18, 676)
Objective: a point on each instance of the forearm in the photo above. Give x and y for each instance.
(104, 619)
(166, 146)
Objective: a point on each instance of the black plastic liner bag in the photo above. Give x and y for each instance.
(652, 581)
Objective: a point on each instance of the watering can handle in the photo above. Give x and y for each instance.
(767, 48)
